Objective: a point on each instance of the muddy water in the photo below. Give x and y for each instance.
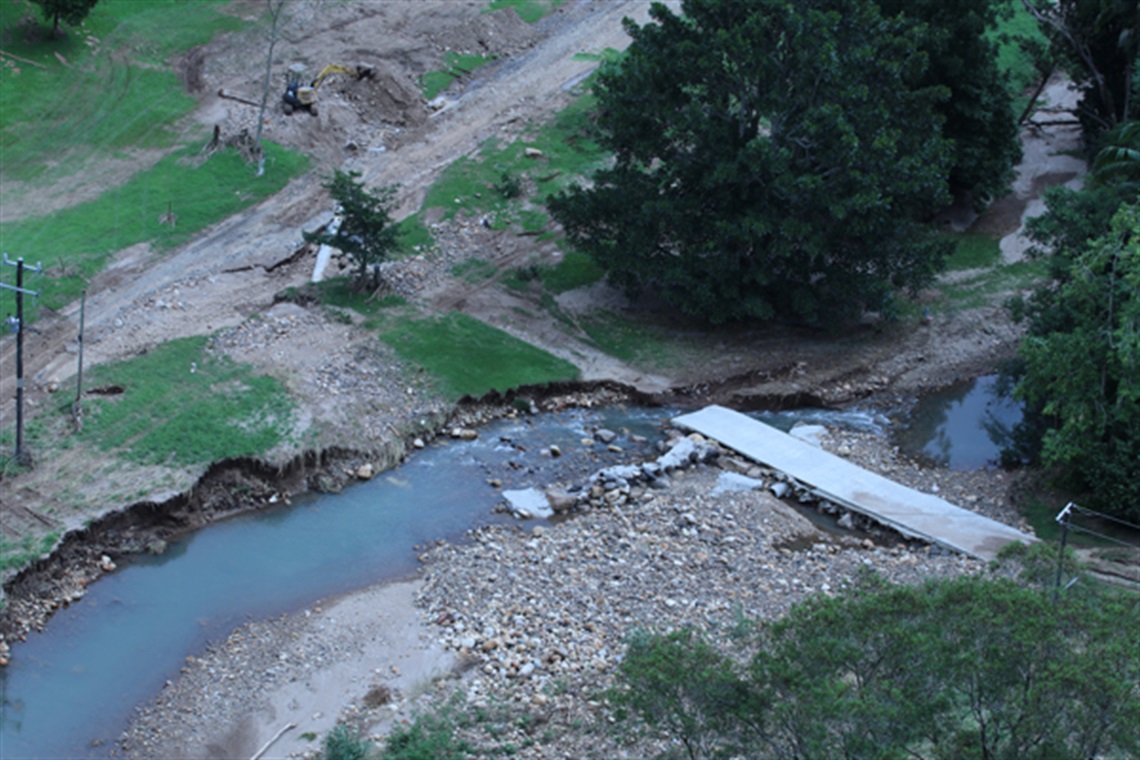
(76, 683)
(963, 427)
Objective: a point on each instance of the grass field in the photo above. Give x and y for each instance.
(76, 242)
(468, 357)
(181, 404)
(75, 110)
(105, 87)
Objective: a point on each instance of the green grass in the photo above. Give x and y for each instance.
(634, 342)
(576, 270)
(474, 271)
(415, 237)
(1042, 516)
(981, 290)
(182, 404)
(468, 357)
(115, 92)
(529, 11)
(474, 186)
(456, 65)
(974, 251)
(75, 243)
(1011, 59)
(14, 554)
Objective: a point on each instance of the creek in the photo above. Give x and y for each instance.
(70, 689)
(963, 427)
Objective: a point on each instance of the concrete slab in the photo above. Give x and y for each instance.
(910, 512)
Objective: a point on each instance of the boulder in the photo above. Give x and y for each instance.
(730, 482)
(605, 436)
(528, 503)
(812, 434)
(560, 501)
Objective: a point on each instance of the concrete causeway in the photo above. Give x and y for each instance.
(910, 512)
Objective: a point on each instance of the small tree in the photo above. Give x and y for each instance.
(70, 11)
(364, 230)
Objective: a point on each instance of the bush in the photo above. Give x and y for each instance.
(343, 743)
(964, 667)
(427, 738)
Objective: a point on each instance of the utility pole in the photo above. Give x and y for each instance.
(21, 457)
(77, 410)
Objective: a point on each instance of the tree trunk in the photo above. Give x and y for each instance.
(274, 13)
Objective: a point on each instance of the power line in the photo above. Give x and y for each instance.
(1103, 536)
(1102, 515)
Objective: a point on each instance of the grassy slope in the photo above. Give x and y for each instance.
(105, 91)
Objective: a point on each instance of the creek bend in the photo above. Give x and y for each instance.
(71, 689)
(77, 682)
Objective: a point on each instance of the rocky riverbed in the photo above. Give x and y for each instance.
(517, 631)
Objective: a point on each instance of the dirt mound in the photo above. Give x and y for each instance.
(399, 42)
(500, 33)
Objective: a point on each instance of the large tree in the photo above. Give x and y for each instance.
(978, 114)
(771, 158)
(69, 11)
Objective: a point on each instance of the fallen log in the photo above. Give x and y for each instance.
(22, 60)
(229, 96)
(269, 743)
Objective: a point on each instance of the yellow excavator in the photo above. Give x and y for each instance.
(304, 96)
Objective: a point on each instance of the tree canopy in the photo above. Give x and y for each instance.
(978, 114)
(1098, 40)
(363, 231)
(1082, 364)
(969, 667)
(773, 158)
(69, 11)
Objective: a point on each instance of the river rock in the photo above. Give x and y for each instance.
(605, 436)
(729, 482)
(365, 471)
(560, 501)
(679, 455)
(528, 503)
(812, 434)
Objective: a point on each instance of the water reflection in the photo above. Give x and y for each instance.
(963, 427)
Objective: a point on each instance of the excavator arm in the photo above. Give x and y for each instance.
(356, 72)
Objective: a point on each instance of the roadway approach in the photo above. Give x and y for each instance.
(912, 513)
